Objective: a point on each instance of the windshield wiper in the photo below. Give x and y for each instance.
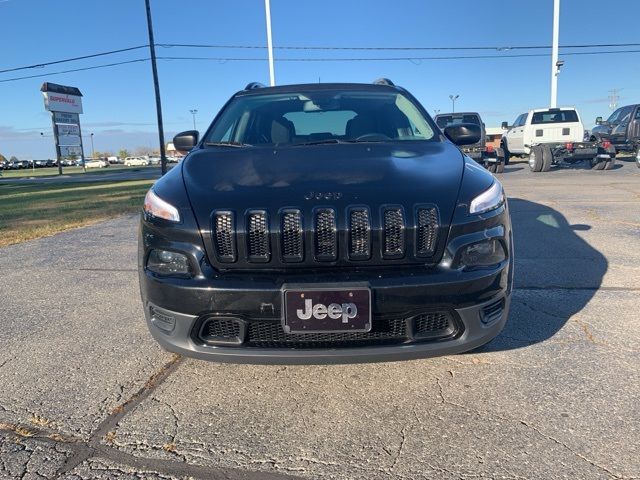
(320, 142)
(227, 144)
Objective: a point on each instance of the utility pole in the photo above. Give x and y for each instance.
(555, 65)
(613, 98)
(193, 112)
(272, 75)
(156, 86)
(93, 152)
(453, 102)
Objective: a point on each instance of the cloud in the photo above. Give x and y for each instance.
(11, 133)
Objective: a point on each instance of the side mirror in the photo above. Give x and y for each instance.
(463, 133)
(185, 141)
(598, 120)
(505, 125)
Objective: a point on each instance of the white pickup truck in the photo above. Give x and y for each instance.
(552, 136)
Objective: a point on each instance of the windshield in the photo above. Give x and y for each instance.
(444, 121)
(320, 116)
(555, 116)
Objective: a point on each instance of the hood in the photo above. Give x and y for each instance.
(336, 175)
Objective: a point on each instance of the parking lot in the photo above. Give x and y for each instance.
(87, 393)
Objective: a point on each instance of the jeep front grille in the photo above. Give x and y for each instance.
(258, 236)
(393, 233)
(325, 236)
(359, 234)
(426, 231)
(292, 236)
(224, 236)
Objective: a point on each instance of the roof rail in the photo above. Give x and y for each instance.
(254, 85)
(384, 81)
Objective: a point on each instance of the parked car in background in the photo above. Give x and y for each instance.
(66, 162)
(482, 153)
(551, 136)
(154, 160)
(113, 160)
(622, 128)
(136, 162)
(96, 163)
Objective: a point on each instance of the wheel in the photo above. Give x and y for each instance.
(597, 164)
(492, 167)
(638, 158)
(506, 153)
(535, 159)
(608, 165)
(547, 158)
(500, 167)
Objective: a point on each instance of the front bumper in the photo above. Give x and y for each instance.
(467, 295)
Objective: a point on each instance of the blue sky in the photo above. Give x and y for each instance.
(119, 102)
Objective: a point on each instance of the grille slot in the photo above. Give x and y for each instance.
(432, 324)
(224, 236)
(222, 331)
(359, 234)
(292, 236)
(271, 335)
(426, 231)
(258, 247)
(394, 233)
(326, 235)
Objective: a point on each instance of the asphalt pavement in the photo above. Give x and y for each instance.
(86, 393)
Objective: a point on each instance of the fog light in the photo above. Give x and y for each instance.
(482, 254)
(164, 262)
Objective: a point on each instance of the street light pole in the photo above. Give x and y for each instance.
(193, 112)
(272, 75)
(156, 86)
(453, 102)
(93, 152)
(555, 66)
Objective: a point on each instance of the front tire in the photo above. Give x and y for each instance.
(535, 159)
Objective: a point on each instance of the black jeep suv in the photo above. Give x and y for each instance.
(325, 223)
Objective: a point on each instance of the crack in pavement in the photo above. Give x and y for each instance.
(532, 427)
(93, 448)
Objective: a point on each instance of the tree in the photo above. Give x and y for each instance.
(13, 158)
(143, 151)
(3, 158)
(123, 153)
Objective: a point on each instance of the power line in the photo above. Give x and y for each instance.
(353, 59)
(498, 48)
(93, 55)
(325, 48)
(74, 70)
(395, 59)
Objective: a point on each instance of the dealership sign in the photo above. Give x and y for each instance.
(59, 102)
(65, 105)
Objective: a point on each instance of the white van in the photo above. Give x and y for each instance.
(542, 125)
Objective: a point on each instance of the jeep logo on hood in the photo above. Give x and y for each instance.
(323, 196)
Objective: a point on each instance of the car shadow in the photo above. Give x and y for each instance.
(557, 273)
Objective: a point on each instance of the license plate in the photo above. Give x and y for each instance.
(316, 310)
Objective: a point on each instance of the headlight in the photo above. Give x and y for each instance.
(156, 207)
(490, 199)
(482, 254)
(164, 262)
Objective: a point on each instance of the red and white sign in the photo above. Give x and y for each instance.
(61, 102)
